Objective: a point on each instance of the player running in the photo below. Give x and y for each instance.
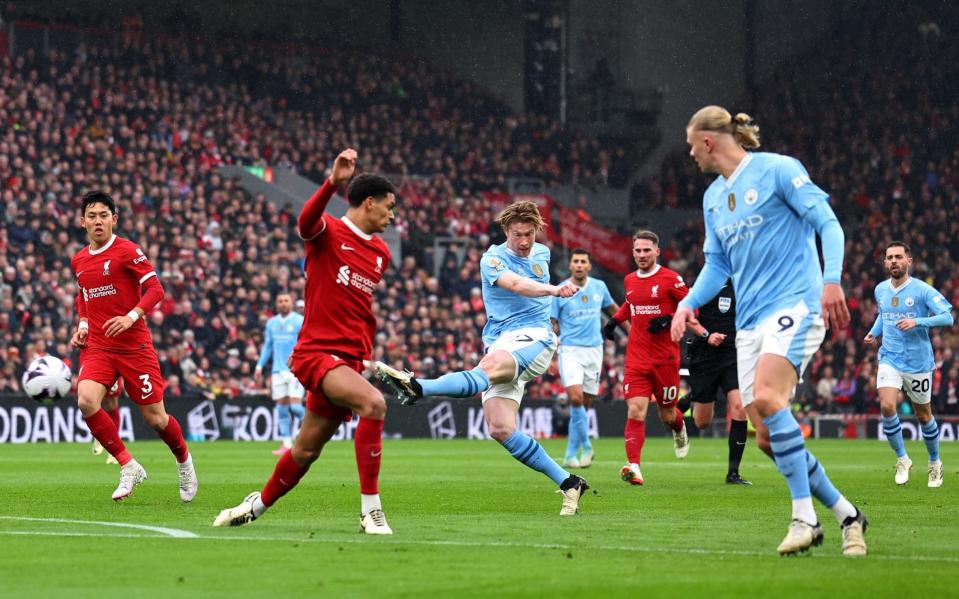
(110, 405)
(577, 320)
(907, 308)
(345, 261)
(652, 358)
(279, 339)
(519, 345)
(115, 340)
(762, 215)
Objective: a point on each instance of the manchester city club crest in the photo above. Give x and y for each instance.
(732, 201)
(910, 302)
(537, 269)
(725, 303)
(895, 302)
(751, 196)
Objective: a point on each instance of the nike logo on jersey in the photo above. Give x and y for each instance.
(348, 248)
(146, 395)
(628, 292)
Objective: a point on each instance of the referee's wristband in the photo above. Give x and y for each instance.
(133, 315)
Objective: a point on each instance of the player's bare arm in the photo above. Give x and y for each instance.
(310, 222)
(529, 288)
(119, 324)
(906, 324)
(79, 339)
(343, 167)
(682, 319)
(834, 309)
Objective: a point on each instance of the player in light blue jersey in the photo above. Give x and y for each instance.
(519, 345)
(907, 309)
(762, 215)
(280, 337)
(578, 321)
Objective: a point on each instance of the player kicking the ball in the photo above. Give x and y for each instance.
(344, 263)
(110, 273)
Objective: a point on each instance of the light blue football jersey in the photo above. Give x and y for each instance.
(579, 316)
(755, 229)
(908, 351)
(508, 311)
(281, 334)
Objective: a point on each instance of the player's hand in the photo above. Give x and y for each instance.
(681, 318)
(117, 325)
(716, 339)
(79, 339)
(257, 376)
(659, 324)
(609, 329)
(343, 167)
(566, 290)
(906, 324)
(870, 340)
(834, 309)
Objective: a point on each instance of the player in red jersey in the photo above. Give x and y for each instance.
(344, 263)
(110, 405)
(110, 273)
(652, 357)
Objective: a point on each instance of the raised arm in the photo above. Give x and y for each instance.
(310, 222)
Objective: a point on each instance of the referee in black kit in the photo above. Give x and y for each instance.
(712, 366)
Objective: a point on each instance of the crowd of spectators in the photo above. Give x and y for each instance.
(152, 121)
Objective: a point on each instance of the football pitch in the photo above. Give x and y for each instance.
(468, 521)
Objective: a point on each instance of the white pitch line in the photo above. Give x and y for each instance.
(495, 544)
(170, 532)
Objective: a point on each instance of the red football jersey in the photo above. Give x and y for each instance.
(649, 296)
(109, 279)
(343, 267)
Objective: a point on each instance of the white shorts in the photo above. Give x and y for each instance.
(579, 365)
(916, 385)
(532, 350)
(285, 385)
(793, 333)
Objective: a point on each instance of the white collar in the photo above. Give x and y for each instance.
(901, 287)
(356, 229)
(739, 169)
(103, 247)
(649, 274)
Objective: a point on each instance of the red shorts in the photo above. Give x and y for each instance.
(657, 381)
(310, 368)
(139, 370)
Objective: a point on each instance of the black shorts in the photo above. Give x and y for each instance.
(707, 377)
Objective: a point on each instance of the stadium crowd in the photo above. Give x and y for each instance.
(151, 122)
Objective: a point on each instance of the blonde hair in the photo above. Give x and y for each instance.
(717, 118)
(523, 211)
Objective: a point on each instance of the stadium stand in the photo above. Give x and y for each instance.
(151, 118)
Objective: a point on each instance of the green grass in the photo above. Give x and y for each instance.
(468, 521)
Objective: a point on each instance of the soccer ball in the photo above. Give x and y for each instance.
(47, 378)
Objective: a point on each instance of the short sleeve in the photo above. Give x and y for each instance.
(491, 267)
(607, 298)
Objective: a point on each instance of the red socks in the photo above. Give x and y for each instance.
(286, 475)
(368, 445)
(114, 415)
(104, 431)
(173, 437)
(635, 437)
(678, 422)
